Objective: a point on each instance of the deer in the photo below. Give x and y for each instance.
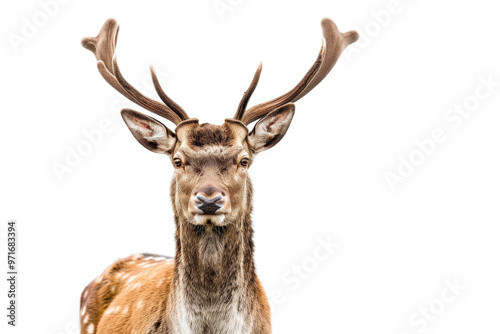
(210, 285)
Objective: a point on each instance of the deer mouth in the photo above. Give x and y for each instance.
(215, 219)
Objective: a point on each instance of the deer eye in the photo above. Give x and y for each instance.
(244, 162)
(177, 162)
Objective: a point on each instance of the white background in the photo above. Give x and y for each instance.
(325, 180)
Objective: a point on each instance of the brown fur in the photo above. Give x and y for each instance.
(208, 134)
(117, 287)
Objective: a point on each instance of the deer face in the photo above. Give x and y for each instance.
(211, 183)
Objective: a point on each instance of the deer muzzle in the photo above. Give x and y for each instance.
(209, 204)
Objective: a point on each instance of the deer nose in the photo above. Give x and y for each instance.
(210, 200)
(209, 205)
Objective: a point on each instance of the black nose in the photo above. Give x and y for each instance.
(209, 205)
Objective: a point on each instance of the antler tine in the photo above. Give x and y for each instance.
(248, 94)
(164, 97)
(263, 109)
(335, 42)
(103, 46)
(144, 101)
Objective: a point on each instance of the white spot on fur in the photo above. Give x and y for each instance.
(86, 319)
(90, 329)
(111, 310)
(83, 309)
(139, 304)
(125, 310)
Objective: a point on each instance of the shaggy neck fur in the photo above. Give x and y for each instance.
(214, 280)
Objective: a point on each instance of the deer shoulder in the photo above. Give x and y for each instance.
(131, 288)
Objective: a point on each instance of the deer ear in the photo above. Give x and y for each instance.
(152, 134)
(270, 129)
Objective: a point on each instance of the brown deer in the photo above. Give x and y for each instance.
(211, 285)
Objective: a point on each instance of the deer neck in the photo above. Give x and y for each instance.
(213, 259)
(214, 278)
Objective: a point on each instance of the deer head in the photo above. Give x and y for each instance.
(211, 185)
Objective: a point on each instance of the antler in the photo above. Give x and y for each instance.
(103, 46)
(246, 97)
(334, 42)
